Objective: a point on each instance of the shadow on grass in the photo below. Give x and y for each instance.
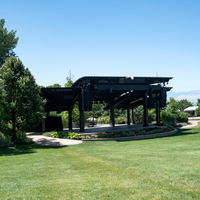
(24, 149)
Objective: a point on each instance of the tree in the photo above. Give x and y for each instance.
(25, 107)
(183, 104)
(69, 82)
(198, 102)
(8, 42)
(172, 105)
(197, 111)
(3, 108)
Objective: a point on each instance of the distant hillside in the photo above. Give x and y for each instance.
(191, 96)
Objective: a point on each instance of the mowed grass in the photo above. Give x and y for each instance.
(159, 168)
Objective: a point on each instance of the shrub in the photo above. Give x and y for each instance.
(104, 120)
(120, 120)
(65, 121)
(55, 135)
(59, 134)
(140, 132)
(23, 139)
(68, 135)
(75, 136)
(167, 116)
(182, 117)
(170, 117)
(151, 116)
(5, 141)
(48, 134)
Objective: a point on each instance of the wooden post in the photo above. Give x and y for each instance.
(133, 120)
(157, 109)
(128, 116)
(145, 107)
(82, 121)
(112, 116)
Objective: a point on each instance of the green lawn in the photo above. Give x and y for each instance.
(159, 168)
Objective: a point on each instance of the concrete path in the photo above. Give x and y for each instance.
(191, 123)
(49, 141)
(39, 139)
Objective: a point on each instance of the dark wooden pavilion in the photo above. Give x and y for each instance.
(116, 92)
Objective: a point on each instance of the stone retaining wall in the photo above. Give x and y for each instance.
(138, 137)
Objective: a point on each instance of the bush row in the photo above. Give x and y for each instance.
(173, 117)
(66, 135)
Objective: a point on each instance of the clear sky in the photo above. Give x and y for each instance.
(107, 38)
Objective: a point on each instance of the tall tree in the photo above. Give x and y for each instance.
(172, 105)
(197, 111)
(69, 80)
(25, 106)
(3, 109)
(183, 104)
(8, 42)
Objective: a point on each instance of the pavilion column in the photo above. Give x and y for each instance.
(70, 118)
(112, 116)
(82, 121)
(133, 120)
(145, 107)
(128, 116)
(157, 109)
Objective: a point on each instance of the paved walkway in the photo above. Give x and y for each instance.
(192, 122)
(39, 139)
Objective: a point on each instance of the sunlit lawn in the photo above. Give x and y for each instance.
(160, 168)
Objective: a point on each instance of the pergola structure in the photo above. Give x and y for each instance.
(116, 92)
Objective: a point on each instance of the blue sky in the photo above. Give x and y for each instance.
(107, 38)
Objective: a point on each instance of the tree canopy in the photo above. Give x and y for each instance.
(174, 105)
(183, 104)
(23, 104)
(69, 82)
(8, 42)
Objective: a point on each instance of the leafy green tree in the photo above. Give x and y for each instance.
(183, 104)
(197, 111)
(69, 82)
(4, 108)
(25, 107)
(172, 105)
(8, 42)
